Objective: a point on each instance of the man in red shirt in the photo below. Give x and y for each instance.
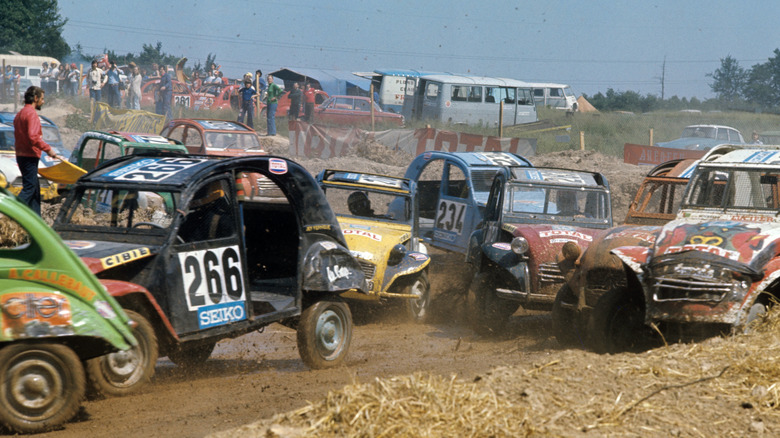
(309, 96)
(28, 142)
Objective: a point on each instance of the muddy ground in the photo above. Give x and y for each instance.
(261, 375)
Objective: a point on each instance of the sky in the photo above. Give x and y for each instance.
(591, 45)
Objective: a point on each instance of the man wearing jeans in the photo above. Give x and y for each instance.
(28, 142)
(272, 99)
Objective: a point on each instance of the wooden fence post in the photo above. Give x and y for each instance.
(582, 140)
(651, 137)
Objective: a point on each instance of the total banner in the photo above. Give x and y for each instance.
(106, 118)
(315, 141)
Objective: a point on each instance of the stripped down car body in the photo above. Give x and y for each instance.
(384, 240)
(200, 259)
(717, 263)
(531, 213)
(592, 272)
(54, 316)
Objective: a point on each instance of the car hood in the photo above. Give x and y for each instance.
(367, 237)
(751, 243)
(100, 255)
(546, 241)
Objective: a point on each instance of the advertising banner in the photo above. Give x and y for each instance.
(106, 118)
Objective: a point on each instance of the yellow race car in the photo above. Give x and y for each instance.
(378, 218)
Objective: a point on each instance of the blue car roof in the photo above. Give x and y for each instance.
(8, 117)
(477, 159)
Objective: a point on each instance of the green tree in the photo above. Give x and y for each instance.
(32, 27)
(728, 80)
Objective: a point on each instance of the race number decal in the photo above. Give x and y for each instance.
(214, 285)
(450, 215)
(182, 101)
(499, 159)
(153, 169)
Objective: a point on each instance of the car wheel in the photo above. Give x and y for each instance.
(617, 324)
(189, 355)
(565, 323)
(125, 372)
(755, 314)
(324, 333)
(487, 314)
(418, 309)
(42, 386)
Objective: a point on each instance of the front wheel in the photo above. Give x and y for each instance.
(125, 372)
(565, 324)
(41, 386)
(418, 309)
(487, 314)
(324, 333)
(617, 324)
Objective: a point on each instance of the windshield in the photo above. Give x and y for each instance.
(731, 188)
(365, 204)
(567, 202)
(482, 180)
(120, 208)
(232, 140)
(699, 132)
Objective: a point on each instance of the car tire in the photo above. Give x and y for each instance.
(191, 355)
(617, 324)
(487, 314)
(565, 321)
(419, 309)
(126, 372)
(324, 333)
(41, 386)
(756, 312)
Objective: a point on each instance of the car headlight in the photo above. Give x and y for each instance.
(519, 245)
(396, 255)
(571, 251)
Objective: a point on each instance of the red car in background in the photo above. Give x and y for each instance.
(181, 93)
(214, 137)
(354, 111)
(216, 96)
(283, 106)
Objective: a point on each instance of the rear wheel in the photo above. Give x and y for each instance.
(41, 386)
(324, 333)
(418, 309)
(617, 324)
(565, 324)
(487, 313)
(126, 372)
(188, 355)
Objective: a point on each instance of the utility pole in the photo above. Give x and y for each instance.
(663, 77)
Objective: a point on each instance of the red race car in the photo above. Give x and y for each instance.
(354, 111)
(283, 106)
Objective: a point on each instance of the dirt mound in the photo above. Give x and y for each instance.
(720, 387)
(624, 179)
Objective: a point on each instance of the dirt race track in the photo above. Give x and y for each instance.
(261, 374)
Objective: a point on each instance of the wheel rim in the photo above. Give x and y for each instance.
(35, 386)
(419, 305)
(330, 332)
(125, 368)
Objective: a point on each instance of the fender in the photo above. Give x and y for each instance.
(633, 257)
(330, 267)
(412, 263)
(502, 256)
(474, 251)
(118, 288)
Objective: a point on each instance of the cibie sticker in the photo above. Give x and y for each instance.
(277, 166)
(214, 285)
(502, 246)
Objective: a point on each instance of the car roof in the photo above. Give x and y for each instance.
(710, 126)
(551, 175)
(751, 157)
(215, 125)
(8, 117)
(350, 179)
(480, 159)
